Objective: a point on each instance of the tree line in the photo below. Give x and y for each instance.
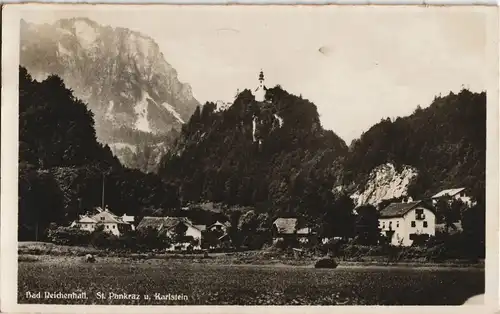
(273, 157)
(62, 167)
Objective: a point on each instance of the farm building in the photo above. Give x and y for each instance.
(182, 231)
(111, 222)
(450, 195)
(287, 228)
(129, 219)
(402, 221)
(219, 226)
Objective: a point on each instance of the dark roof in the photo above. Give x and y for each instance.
(226, 224)
(400, 209)
(162, 222)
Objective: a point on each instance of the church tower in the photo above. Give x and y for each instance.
(260, 92)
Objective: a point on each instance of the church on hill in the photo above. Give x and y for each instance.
(260, 91)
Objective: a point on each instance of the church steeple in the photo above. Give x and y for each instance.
(260, 92)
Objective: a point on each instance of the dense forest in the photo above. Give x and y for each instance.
(260, 159)
(446, 142)
(274, 155)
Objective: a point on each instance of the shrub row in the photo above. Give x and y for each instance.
(441, 247)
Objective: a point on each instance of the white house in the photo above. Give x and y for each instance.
(169, 225)
(111, 222)
(85, 223)
(453, 194)
(400, 221)
(129, 219)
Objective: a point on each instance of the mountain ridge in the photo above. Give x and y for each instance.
(121, 74)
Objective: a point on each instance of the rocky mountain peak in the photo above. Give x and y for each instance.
(121, 74)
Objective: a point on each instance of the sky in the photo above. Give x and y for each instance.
(357, 64)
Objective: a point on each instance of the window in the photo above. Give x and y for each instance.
(397, 224)
(107, 227)
(413, 224)
(419, 211)
(102, 218)
(425, 224)
(390, 223)
(383, 224)
(114, 226)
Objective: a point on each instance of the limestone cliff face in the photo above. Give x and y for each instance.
(385, 182)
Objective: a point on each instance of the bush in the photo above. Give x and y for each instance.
(333, 247)
(68, 236)
(419, 239)
(101, 239)
(326, 263)
(285, 243)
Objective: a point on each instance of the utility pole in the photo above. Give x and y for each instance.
(102, 201)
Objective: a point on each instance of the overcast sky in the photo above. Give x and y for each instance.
(357, 64)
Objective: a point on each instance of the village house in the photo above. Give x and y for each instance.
(110, 222)
(219, 226)
(450, 195)
(400, 222)
(129, 219)
(170, 226)
(286, 228)
(219, 230)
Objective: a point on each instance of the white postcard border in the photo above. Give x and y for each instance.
(9, 187)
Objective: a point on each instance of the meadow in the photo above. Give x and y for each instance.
(216, 284)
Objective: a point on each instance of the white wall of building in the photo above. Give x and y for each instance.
(408, 224)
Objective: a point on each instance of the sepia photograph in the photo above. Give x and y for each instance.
(252, 155)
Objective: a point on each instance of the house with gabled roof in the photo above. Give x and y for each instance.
(169, 226)
(400, 222)
(219, 226)
(449, 195)
(111, 223)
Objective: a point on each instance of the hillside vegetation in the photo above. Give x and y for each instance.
(62, 167)
(261, 160)
(445, 142)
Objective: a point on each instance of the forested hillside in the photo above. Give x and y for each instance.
(273, 154)
(445, 143)
(62, 167)
(270, 159)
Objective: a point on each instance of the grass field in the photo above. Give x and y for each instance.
(245, 284)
